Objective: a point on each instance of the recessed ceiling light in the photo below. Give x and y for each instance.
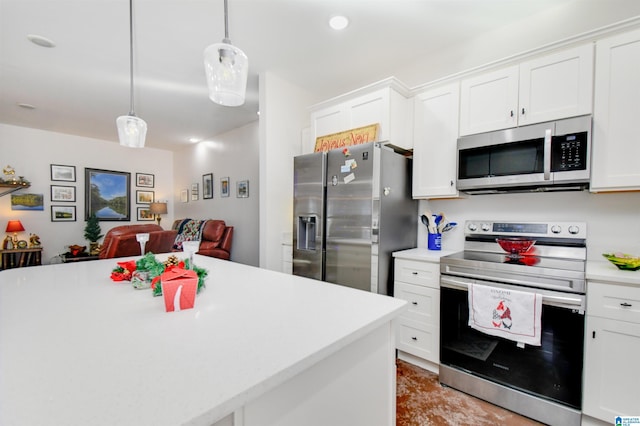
(194, 140)
(339, 22)
(26, 106)
(41, 41)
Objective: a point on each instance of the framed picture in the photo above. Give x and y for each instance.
(243, 189)
(184, 195)
(207, 186)
(145, 180)
(27, 202)
(63, 213)
(194, 192)
(107, 195)
(144, 214)
(144, 197)
(63, 193)
(224, 187)
(63, 173)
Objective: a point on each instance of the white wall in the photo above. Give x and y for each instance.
(613, 219)
(31, 152)
(233, 155)
(283, 114)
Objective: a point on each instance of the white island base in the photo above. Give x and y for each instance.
(355, 386)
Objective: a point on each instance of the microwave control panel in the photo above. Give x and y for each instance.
(569, 152)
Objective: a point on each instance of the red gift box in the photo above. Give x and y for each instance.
(179, 288)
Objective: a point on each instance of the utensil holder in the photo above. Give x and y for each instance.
(434, 241)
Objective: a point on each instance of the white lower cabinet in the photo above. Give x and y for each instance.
(611, 370)
(418, 329)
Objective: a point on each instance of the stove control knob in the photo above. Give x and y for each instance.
(556, 229)
(486, 227)
(574, 229)
(472, 227)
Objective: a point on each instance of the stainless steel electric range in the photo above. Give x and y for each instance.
(541, 382)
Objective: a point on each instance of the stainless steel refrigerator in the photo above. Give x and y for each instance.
(352, 209)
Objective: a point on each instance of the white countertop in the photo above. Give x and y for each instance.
(422, 254)
(606, 271)
(79, 349)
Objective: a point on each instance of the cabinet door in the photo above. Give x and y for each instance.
(329, 120)
(556, 86)
(489, 101)
(434, 142)
(615, 144)
(611, 373)
(370, 109)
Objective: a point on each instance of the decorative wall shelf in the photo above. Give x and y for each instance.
(8, 188)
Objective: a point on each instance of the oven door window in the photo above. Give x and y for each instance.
(552, 371)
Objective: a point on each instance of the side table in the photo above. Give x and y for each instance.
(17, 258)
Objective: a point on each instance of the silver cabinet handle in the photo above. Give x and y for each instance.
(626, 305)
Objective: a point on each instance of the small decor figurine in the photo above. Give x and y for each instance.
(76, 250)
(34, 241)
(7, 244)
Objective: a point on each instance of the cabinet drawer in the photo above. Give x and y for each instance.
(617, 302)
(418, 339)
(424, 302)
(415, 272)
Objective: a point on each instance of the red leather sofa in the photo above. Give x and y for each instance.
(121, 241)
(215, 240)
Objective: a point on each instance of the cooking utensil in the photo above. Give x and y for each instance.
(515, 246)
(429, 222)
(441, 222)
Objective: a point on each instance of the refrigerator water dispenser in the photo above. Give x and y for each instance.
(307, 233)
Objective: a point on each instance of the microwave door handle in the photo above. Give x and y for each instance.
(547, 154)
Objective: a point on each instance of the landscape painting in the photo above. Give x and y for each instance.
(107, 195)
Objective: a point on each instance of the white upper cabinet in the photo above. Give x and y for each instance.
(554, 86)
(381, 104)
(435, 135)
(489, 101)
(616, 124)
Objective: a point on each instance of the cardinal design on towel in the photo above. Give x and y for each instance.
(502, 316)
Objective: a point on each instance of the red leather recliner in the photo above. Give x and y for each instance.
(121, 241)
(216, 238)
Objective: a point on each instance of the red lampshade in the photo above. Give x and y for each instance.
(14, 226)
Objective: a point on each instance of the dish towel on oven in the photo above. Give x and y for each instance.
(514, 315)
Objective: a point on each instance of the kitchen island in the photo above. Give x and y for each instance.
(259, 348)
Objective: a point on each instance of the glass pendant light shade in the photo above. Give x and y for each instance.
(226, 67)
(132, 131)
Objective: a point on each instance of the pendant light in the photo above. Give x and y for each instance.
(226, 67)
(132, 130)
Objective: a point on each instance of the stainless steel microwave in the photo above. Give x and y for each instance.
(551, 156)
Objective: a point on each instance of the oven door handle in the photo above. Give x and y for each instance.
(560, 301)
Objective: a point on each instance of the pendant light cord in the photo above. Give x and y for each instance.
(226, 23)
(131, 112)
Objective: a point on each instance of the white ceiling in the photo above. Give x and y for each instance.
(81, 85)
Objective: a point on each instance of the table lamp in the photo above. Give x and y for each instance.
(158, 209)
(14, 226)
